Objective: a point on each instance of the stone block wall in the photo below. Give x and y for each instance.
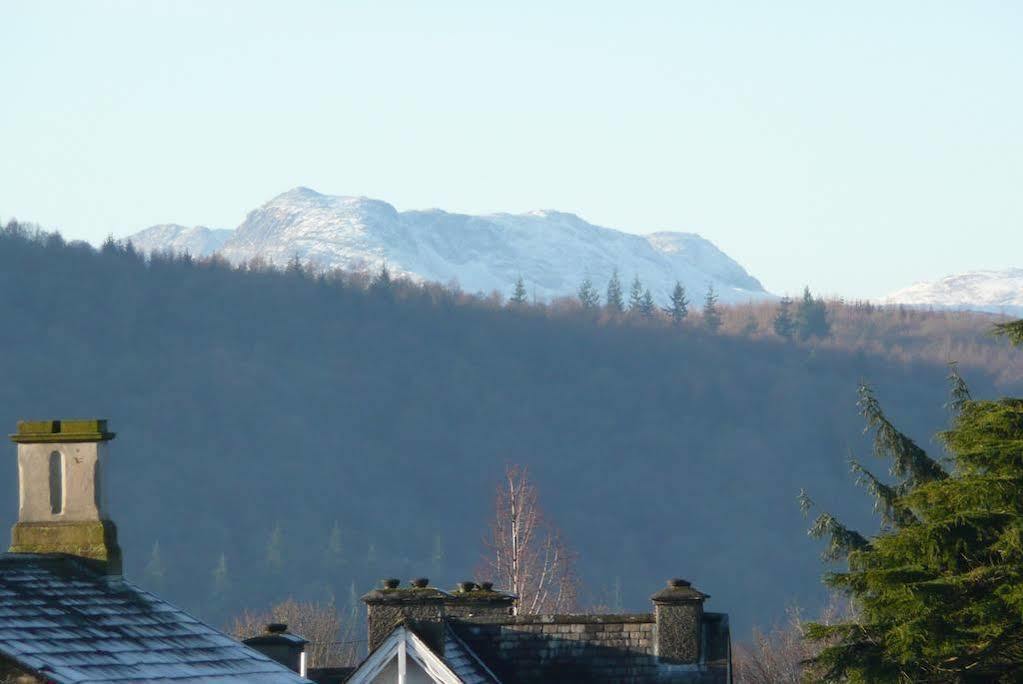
(572, 648)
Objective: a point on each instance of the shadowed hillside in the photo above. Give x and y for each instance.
(284, 434)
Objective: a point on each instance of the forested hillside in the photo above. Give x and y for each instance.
(287, 434)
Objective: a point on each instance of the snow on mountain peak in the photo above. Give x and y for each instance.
(999, 291)
(552, 251)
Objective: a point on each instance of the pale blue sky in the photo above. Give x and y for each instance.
(855, 146)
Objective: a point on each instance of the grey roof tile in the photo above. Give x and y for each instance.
(59, 618)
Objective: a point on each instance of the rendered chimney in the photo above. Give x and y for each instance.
(421, 608)
(61, 505)
(277, 643)
(678, 614)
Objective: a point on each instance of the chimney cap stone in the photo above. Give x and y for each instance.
(679, 591)
(62, 431)
(420, 582)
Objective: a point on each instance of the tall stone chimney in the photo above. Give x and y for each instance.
(419, 606)
(678, 617)
(61, 505)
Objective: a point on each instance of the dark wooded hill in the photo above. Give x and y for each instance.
(284, 434)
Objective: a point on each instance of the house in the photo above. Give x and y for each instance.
(420, 634)
(66, 613)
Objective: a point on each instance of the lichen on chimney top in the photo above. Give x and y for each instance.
(62, 431)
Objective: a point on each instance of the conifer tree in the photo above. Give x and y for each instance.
(811, 317)
(711, 315)
(615, 302)
(938, 592)
(383, 280)
(588, 296)
(334, 553)
(679, 308)
(155, 574)
(518, 297)
(274, 556)
(784, 326)
(220, 590)
(647, 306)
(636, 296)
(437, 557)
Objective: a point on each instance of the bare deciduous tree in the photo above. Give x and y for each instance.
(778, 656)
(526, 554)
(329, 644)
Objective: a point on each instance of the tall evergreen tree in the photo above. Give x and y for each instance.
(154, 575)
(437, 557)
(811, 317)
(588, 296)
(274, 554)
(518, 297)
(636, 296)
(938, 592)
(679, 308)
(784, 326)
(615, 302)
(646, 305)
(711, 315)
(383, 281)
(334, 553)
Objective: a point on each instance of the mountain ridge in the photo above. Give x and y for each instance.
(990, 290)
(551, 250)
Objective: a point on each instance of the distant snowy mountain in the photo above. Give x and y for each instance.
(994, 291)
(553, 252)
(199, 241)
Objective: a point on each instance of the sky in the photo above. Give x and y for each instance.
(853, 147)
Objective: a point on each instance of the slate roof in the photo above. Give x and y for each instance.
(464, 662)
(61, 620)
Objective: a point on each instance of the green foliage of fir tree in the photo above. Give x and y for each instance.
(711, 315)
(636, 296)
(615, 302)
(679, 308)
(518, 297)
(938, 592)
(588, 296)
(811, 317)
(154, 575)
(274, 556)
(784, 326)
(646, 304)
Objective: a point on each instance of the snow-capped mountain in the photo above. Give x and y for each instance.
(199, 241)
(994, 291)
(553, 252)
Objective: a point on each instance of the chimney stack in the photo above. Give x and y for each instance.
(678, 617)
(478, 600)
(419, 606)
(61, 504)
(277, 643)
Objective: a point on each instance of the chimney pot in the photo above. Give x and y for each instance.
(390, 583)
(421, 582)
(487, 586)
(276, 628)
(466, 586)
(678, 583)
